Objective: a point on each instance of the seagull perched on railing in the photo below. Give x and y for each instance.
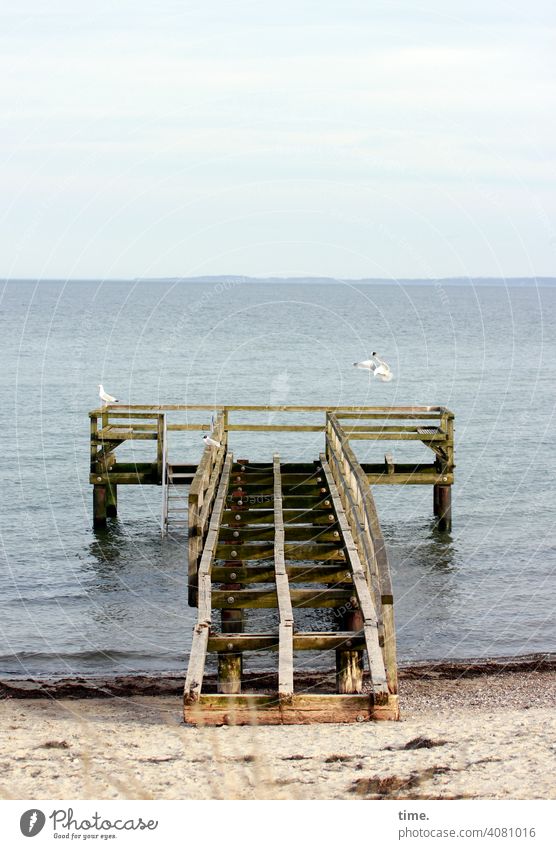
(105, 397)
(210, 441)
(378, 367)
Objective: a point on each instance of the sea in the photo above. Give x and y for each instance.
(78, 602)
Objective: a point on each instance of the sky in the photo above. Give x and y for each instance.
(341, 139)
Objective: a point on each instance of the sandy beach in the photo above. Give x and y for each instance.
(486, 736)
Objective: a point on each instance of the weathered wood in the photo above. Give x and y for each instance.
(310, 641)
(292, 533)
(444, 507)
(265, 517)
(306, 572)
(285, 629)
(99, 506)
(349, 660)
(229, 672)
(292, 551)
(196, 668)
(376, 661)
(303, 709)
(268, 598)
(111, 500)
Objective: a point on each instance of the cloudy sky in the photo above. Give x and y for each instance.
(348, 139)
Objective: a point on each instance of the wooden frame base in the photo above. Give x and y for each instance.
(255, 709)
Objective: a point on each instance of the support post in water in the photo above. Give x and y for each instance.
(443, 505)
(99, 506)
(349, 663)
(112, 500)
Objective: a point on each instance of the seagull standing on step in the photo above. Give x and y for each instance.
(105, 397)
(378, 367)
(208, 440)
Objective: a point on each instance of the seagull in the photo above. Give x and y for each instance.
(380, 369)
(210, 441)
(105, 397)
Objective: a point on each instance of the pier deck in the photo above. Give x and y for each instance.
(283, 539)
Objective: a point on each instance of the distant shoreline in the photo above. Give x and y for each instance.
(171, 683)
(231, 280)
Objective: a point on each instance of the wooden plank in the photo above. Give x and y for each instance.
(250, 517)
(285, 629)
(209, 548)
(268, 598)
(292, 533)
(303, 709)
(285, 661)
(276, 408)
(196, 667)
(264, 573)
(309, 641)
(292, 551)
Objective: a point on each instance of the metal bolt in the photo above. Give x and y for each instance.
(240, 489)
(231, 599)
(230, 645)
(238, 517)
(233, 576)
(348, 576)
(99, 479)
(319, 480)
(360, 718)
(336, 535)
(327, 503)
(240, 502)
(236, 533)
(444, 479)
(234, 553)
(243, 468)
(323, 489)
(330, 517)
(348, 642)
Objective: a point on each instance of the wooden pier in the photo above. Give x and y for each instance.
(281, 537)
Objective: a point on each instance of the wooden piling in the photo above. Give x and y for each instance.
(112, 500)
(444, 507)
(99, 506)
(349, 663)
(230, 662)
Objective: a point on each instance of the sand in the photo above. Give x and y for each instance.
(485, 737)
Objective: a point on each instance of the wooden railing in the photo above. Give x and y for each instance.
(359, 506)
(201, 497)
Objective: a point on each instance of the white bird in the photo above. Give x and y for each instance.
(210, 441)
(105, 397)
(378, 367)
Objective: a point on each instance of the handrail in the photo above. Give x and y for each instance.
(164, 516)
(201, 495)
(361, 511)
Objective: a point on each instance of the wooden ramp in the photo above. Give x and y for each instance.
(279, 539)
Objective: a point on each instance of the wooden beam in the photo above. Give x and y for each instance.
(309, 641)
(303, 709)
(196, 667)
(268, 598)
(285, 629)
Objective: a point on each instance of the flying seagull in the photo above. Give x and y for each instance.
(378, 367)
(105, 397)
(210, 441)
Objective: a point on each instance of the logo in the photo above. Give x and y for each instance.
(32, 822)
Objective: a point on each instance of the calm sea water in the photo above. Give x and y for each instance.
(73, 601)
